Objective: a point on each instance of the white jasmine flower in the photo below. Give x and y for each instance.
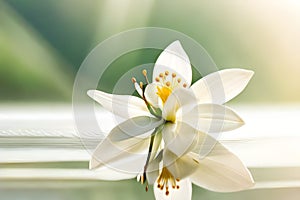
(182, 115)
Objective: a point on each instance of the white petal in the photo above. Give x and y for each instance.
(138, 89)
(150, 94)
(212, 118)
(221, 171)
(128, 156)
(125, 148)
(128, 141)
(156, 147)
(141, 126)
(123, 105)
(183, 193)
(180, 167)
(182, 99)
(181, 138)
(153, 169)
(175, 60)
(220, 87)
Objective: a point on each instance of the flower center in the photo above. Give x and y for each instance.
(167, 85)
(166, 179)
(163, 93)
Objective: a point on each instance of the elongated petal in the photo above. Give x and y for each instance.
(182, 99)
(221, 86)
(128, 141)
(123, 105)
(180, 167)
(181, 138)
(183, 193)
(174, 60)
(221, 171)
(134, 127)
(212, 118)
(128, 156)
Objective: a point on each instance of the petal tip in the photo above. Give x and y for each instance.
(92, 164)
(90, 93)
(250, 73)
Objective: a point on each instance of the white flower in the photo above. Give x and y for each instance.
(182, 116)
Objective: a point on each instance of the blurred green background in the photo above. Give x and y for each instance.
(43, 43)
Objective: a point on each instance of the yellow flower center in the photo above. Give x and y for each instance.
(163, 92)
(166, 179)
(168, 85)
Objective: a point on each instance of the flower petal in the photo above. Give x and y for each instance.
(222, 86)
(181, 138)
(153, 169)
(128, 141)
(141, 126)
(125, 106)
(182, 99)
(212, 118)
(174, 60)
(184, 192)
(221, 171)
(127, 156)
(180, 167)
(151, 94)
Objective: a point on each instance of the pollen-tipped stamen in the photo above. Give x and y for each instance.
(166, 179)
(144, 72)
(133, 80)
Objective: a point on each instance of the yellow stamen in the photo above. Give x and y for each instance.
(166, 73)
(144, 72)
(163, 93)
(165, 180)
(157, 79)
(173, 75)
(133, 80)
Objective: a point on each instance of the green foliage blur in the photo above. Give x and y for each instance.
(43, 43)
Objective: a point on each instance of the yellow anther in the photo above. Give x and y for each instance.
(141, 85)
(173, 75)
(157, 79)
(166, 73)
(178, 80)
(165, 180)
(184, 85)
(168, 83)
(161, 75)
(144, 72)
